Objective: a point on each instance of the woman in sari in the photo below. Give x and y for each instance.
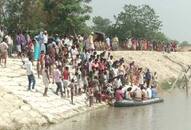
(36, 50)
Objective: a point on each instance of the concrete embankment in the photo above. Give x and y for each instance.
(21, 109)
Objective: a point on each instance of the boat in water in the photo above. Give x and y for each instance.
(133, 103)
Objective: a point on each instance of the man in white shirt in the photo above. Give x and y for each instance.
(66, 40)
(117, 82)
(90, 65)
(10, 44)
(91, 41)
(45, 40)
(30, 74)
(149, 93)
(74, 53)
(108, 41)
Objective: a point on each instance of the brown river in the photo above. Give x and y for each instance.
(173, 114)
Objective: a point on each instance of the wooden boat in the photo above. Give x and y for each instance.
(133, 103)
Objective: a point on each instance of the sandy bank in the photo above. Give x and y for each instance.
(167, 65)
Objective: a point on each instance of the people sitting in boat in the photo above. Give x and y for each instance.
(128, 94)
(144, 93)
(117, 82)
(136, 93)
(119, 94)
(149, 93)
(154, 91)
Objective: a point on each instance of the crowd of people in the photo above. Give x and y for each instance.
(146, 45)
(133, 44)
(74, 65)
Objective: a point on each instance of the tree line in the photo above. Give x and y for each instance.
(61, 16)
(71, 16)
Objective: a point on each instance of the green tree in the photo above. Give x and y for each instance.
(25, 15)
(101, 24)
(61, 16)
(13, 14)
(2, 11)
(67, 16)
(138, 22)
(159, 36)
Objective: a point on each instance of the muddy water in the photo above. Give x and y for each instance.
(173, 114)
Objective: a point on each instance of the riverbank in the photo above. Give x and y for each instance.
(23, 110)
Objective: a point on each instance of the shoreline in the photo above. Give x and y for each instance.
(43, 119)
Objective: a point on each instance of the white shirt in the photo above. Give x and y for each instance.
(108, 41)
(45, 36)
(110, 62)
(141, 78)
(57, 76)
(70, 43)
(74, 53)
(9, 40)
(1, 33)
(66, 40)
(117, 83)
(29, 68)
(127, 95)
(115, 72)
(78, 61)
(90, 66)
(149, 93)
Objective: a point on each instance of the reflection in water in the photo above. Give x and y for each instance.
(173, 114)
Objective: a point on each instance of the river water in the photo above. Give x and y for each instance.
(173, 114)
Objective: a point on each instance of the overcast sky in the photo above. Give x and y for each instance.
(175, 14)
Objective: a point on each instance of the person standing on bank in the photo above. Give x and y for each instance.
(72, 86)
(45, 40)
(10, 44)
(3, 52)
(57, 78)
(30, 74)
(46, 80)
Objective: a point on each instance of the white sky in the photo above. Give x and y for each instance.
(175, 14)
